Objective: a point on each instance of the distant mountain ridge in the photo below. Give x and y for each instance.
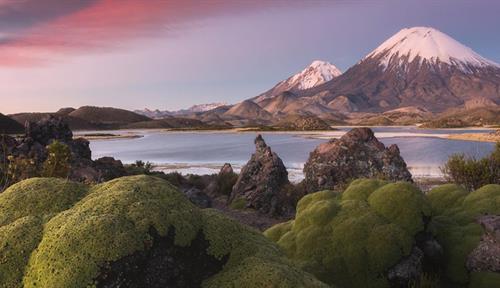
(158, 114)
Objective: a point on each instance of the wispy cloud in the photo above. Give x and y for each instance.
(37, 33)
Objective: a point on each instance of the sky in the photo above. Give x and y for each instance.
(167, 54)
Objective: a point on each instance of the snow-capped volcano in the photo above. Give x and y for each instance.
(426, 44)
(318, 72)
(416, 67)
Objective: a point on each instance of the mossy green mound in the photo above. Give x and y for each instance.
(351, 239)
(113, 220)
(360, 189)
(24, 208)
(445, 196)
(37, 197)
(455, 227)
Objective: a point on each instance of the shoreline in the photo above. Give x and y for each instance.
(478, 137)
(314, 134)
(107, 136)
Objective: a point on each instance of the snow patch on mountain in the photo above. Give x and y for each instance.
(429, 44)
(205, 107)
(158, 114)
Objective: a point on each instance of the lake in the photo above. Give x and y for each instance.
(206, 152)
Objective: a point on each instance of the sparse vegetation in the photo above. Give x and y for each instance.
(58, 160)
(473, 173)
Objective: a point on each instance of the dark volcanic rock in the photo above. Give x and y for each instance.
(357, 154)
(8, 145)
(198, 197)
(262, 181)
(226, 169)
(80, 148)
(109, 168)
(407, 270)
(162, 264)
(486, 256)
(47, 130)
(9, 125)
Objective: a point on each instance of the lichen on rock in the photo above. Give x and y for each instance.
(262, 182)
(357, 154)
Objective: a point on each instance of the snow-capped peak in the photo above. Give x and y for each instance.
(205, 107)
(428, 44)
(317, 73)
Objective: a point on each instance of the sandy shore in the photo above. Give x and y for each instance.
(483, 137)
(108, 136)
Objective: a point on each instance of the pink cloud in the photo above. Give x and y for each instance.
(104, 24)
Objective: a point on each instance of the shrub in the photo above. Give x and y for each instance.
(72, 239)
(139, 167)
(20, 168)
(351, 239)
(57, 163)
(473, 173)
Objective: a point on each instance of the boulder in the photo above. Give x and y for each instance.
(226, 169)
(357, 154)
(198, 197)
(486, 255)
(407, 270)
(262, 181)
(109, 168)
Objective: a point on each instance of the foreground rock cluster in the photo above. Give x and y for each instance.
(32, 147)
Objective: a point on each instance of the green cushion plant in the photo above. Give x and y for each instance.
(352, 239)
(454, 225)
(82, 228)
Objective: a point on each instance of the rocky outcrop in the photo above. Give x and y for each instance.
(486, 255)
(51, 128)
(48, 130)
(357, 154)
(109, 168)
(262, 181)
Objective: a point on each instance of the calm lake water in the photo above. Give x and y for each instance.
(205, 152)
